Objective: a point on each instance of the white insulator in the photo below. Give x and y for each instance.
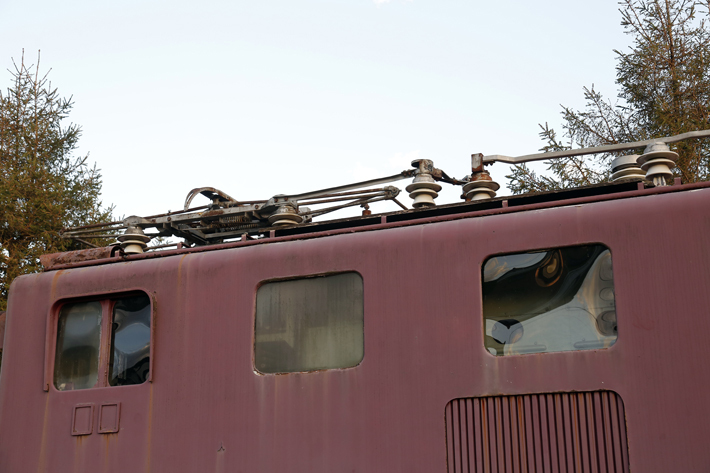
(285, 215)
(482, 188)
(625, 168)
(657, 160)
(423, 190)
(658, 170)
(134, 241)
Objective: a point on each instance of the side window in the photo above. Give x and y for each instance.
(556, 300)
(309, 324)
(76, 365)
(103, 343)
(130, 341)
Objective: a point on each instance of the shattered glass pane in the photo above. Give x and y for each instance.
(130, 341)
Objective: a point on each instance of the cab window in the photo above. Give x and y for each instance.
(121, 325)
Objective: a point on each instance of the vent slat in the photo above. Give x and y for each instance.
(536, 433)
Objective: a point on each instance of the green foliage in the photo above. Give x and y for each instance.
(664, 90)
(44, 187)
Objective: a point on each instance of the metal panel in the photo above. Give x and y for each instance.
(82, 422)
(2, 333)
(561, 432)
(207, 410)
(109, 417)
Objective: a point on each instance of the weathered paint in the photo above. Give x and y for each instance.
(583, 432)
(52, 260)
(417, 217)
(207, 409)
(2, 334)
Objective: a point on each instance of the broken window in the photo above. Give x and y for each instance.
(308, 324)
(130, 340)
(121, 324)
(556, 300)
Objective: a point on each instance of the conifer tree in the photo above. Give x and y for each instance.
(663, 90)
(44, 186)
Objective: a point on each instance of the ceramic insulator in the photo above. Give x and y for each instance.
(625, 168)
(423, 191)
(481, 187)
(133, 241)
(657, 160)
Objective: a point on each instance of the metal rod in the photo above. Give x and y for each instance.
(356, 185)
(400, 204)
(338, 199)
(341, 194)
(596, 150)
(317, 213)
(177, 212)
(91, 231)
(71, 236)
(94, 225)
(86, 243)
(237, 203)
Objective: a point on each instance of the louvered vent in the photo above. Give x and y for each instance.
(561, 432)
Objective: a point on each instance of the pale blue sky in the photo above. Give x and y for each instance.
(266, 97)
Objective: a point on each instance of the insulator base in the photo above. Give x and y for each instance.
(423, 193)
(480, 189)
(133, 241)
(657, 170)
(629, 174)
(626, 168)
(133, 247)
(480, 194)
(657, 160)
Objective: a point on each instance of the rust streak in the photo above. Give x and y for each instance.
(50, 261)
(148, 449)
(43, 446)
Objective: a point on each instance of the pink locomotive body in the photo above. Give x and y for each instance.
(405, 342)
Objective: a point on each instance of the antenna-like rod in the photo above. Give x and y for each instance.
(493, 158)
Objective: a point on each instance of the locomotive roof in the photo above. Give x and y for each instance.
(429, 215)
(227, 222)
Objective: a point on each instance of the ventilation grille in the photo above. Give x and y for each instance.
(561, 432)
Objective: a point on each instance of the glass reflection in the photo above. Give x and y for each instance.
(130, 341)
(558, 300)
(78, 339)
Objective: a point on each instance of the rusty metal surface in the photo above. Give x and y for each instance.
(504, 209)
(207, 409)
(560, 432)
(2, 333)
(53, 260)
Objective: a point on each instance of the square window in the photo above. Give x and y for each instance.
(122, 324)
(556, 300)
(309, 324)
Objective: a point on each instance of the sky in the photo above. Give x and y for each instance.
(258, 98)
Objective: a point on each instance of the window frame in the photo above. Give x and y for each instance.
(297, 278)
(108, 302)
(511, 252)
